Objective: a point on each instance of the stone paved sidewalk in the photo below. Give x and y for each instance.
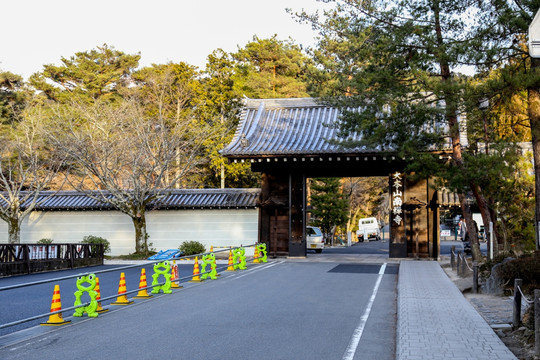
(435, 321)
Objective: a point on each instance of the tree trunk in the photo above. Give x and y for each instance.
(141, 236)
(14, 231)
(487, 217)
(534, 118)
(451, 106)
(471, 229)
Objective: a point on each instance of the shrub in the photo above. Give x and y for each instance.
(192, 247)
(45, 241)
(526, 268)
(91, 239)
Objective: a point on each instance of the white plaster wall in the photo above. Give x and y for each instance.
(167, 228)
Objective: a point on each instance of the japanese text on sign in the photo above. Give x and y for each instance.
(397, 197)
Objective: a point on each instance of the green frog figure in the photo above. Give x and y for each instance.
(262, 253)
(209, 259)
(239, 258)
(162, 268)
(91, 308)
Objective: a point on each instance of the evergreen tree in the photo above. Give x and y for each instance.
(398, 63)
(12, 97)
(271, 68)
(329, 205)
(221, 109)
(505, 48)
(89, 75)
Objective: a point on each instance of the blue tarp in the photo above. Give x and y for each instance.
(167, 254)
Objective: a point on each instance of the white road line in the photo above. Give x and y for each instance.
(264, 267)
(357, 334)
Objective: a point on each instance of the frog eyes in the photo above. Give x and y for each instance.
(166, 263)
(91, 277)
(79, 277)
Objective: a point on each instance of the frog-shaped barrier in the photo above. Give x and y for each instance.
(239, 258)
(162, 268)
(262, 253)
(209, 259)
(91, 308)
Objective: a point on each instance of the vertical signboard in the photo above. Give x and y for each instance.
(398, 242)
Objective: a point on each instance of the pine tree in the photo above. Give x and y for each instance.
(329, 206)
(397, 61)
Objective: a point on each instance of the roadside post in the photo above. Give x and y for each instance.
(475, 277)
(537, 323)
(516, 312)
(453, 257)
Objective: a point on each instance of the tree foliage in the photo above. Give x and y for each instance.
(117, 148)
(271, 68)
(88, 75)
(365, 198)
(25, 171)
(12, 98)
(221, 109)
(329, 205)
(398, 62)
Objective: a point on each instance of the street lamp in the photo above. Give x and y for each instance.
(483, 105)
(534, 51)
(534, 36)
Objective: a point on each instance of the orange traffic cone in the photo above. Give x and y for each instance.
(122, 298)
(231, 263)
(174, 276)
(99, 309)
(256, 256)
(196, 272)
(56, 305)
(142, 294)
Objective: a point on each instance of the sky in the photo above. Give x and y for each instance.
(38, 32)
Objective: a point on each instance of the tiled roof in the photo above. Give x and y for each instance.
(287, 127)
(295, 127)
(175, 199)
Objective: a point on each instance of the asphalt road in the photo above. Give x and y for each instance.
(281, 310)
(33, 300)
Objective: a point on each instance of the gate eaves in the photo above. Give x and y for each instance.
(289, 127)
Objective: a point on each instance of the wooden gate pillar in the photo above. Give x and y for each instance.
(297, 214)
(282, 216)
(414, 220)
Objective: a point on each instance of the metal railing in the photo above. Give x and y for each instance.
(30, 258)
(460, 262)
(39, 316)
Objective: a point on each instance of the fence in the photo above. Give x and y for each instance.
(30, 258)
(459, 261)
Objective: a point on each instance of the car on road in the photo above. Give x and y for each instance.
(368, 228)
(314, 239)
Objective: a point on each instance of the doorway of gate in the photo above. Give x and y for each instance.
(406, 207)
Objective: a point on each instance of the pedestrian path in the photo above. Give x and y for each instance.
(435, 321)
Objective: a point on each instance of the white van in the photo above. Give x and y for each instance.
(368, 228)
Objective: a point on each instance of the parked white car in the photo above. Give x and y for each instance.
(314, 239)
(368, 227)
